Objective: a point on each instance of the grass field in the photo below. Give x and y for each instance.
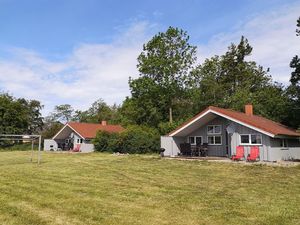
(106, 189)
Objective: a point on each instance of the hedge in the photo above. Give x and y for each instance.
(135, 139)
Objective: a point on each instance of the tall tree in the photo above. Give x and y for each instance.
(293, 90)
(62, 113)
(231, 81)
(98, 111)
(19, 116)
(164, 65)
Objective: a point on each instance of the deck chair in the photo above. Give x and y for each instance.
(254, 154)
(76, 149)
(185, 149)
(239, 153)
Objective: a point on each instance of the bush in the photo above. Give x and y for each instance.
(135, 139)
(106, 142)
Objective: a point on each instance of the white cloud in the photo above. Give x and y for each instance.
(94, 70)
(90, 72)
(272, 36)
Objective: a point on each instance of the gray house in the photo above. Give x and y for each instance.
(78, 136)
(222, 130)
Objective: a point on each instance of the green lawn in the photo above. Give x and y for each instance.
(106, 189)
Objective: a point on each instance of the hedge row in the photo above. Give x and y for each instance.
(135, 139)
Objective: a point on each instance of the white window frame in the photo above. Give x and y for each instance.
(250, 140)
(214, 137)
(214, 125)
(195, 140)
(284, 143)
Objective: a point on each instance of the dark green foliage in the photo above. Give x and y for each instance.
(140, 139)
(107, 142)
(295, 77)
(50, 129)
(19, 116)
(98, 111)
(135, 139)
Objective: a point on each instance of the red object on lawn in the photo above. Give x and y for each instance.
(77, 148)
(239, 153)
(254, 154)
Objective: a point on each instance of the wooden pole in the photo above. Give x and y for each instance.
(39, 152)
(31, 150)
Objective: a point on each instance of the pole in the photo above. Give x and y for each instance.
(39, 153)
(31, 151)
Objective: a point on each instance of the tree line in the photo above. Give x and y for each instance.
(172, 87)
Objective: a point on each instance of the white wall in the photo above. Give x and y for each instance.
(50, 144)
(279, 153)
(86, 147)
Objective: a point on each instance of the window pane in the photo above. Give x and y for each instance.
(192, 140)
(255, 139)
(210, 140)
(210, 129)
(198, 140)
(245, 139)
(217, 129)
(218, 140)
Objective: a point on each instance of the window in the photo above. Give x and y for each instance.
(251, 139)
(283, 143)
(79, 140)
(195, 140)
(214, 140)
(214, 129)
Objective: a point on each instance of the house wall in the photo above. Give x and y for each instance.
(50, 144)
(213, 150)
(171, 145)
(235, 141)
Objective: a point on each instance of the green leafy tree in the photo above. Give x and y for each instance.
(19, 116)
(164, 66)
(98, 111)
(293, 90)
(62, 113)
(230, 81)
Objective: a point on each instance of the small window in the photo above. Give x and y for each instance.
(245, 139)
(251, 139)
(192, 140)
(255, 139)
(214, 129)
(214, 140)
(195, 140)
(283, 143)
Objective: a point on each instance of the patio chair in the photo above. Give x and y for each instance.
(203, 150)
(186, 149)
(76, 149)
(254, 154)
(239, 153)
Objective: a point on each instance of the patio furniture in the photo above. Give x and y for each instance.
(203, 150)
(76, 149)
(185, 149)
(239, 153)
(254, 154)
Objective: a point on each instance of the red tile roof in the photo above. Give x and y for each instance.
(258, 122)
(89, 130)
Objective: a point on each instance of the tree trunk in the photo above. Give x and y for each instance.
(170, 115)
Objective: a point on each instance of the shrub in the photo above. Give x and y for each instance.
(140, 139)
(106, 142)
(135, 139)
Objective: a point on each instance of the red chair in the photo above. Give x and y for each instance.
(76, 149)
(239, 153)
(254, 154)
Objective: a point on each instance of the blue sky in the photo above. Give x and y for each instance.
(78, 51)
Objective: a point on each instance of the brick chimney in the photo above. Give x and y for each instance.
(249, 109)
(103, 123)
